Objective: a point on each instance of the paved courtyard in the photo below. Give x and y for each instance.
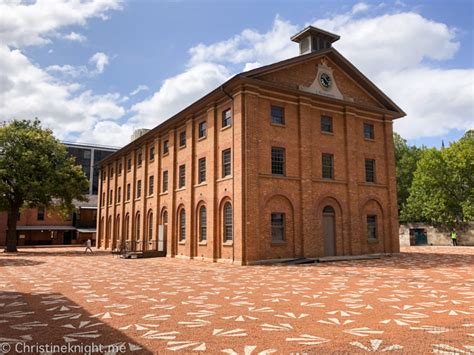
(421, 301)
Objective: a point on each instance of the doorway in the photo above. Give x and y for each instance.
(328, 231)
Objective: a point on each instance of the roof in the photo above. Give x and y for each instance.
(41, 228)
(311, 30)
(86, 230)
(338, 58)
(90, 204)
(89, 146)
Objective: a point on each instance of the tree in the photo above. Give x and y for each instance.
(406, 158)
(442, 191)
(35, 171)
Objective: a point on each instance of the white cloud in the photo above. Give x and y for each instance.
(25, 24)
(178, 92)
(360, 7)
(28, 91)
(139, 88)
(100, 60)
(75, 37)
(109, 133)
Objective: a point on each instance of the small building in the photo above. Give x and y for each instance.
(40, 226)
(425, 234)
(293, 159)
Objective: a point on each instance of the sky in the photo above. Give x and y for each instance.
(95, 70)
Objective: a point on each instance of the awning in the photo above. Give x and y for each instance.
(45, 228)
(86, 230)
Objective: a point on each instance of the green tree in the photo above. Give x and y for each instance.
(442, 191)
(35, 171)
(406, 158)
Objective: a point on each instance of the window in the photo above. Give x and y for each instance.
(129, 164)
(278, 161)
(152, 153)
(87, 154)
(40, 216)
(103, 198)
(111, 173)
(227, 222)
(278, 115)
(278, 227)
(326, 124)
(182, 176)
(182, 139)
(328, 166)
(128, 192)
(166, 147)
(139, 188)
(118, 196)
(369, 170)
(226, 118)
(119, 169)
(202, 224)
(127, 226)
(371, 227)
(182, 225)
(165, 180)
(226, 163)
(202, 129)
(139, 158)
(103, 175)
(368, 131)
(151, 185)
(137, 226)
(111, 200)
(202, 170)
(150, 225)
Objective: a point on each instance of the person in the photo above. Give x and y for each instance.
(88, 246)
(454, 238)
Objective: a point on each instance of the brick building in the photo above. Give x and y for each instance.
(293, 159)
(40, 226)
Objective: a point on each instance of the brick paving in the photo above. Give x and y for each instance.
(420, 301)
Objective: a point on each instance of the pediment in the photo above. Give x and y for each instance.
(309, 73)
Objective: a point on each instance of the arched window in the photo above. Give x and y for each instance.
(109, 228)
(137, 226)
(227, 222)
(182, 225)
(127, 227)
(117, 227)
(150, 225)
(328, 210)
(202, 224)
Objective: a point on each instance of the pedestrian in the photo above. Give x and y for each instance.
(88, 246)
(454, 238)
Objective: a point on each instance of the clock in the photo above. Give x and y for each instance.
(325, 80)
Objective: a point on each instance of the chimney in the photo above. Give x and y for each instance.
(313, 39)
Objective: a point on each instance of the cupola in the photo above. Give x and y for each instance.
(313, 39)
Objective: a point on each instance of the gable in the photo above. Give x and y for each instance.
(305, 76)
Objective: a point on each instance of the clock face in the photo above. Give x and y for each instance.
(325, 80)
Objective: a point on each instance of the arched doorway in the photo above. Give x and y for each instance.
(162, 233)
(329, 231)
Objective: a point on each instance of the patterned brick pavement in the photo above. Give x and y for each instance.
(421, 301)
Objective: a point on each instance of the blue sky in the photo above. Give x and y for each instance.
(77, 66)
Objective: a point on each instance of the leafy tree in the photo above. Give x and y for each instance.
(406, 158)
(442, 191)
(35, 171)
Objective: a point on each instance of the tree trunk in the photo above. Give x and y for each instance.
(11, 233)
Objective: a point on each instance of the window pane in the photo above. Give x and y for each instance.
(182, 176)
(368, 131)
(372, 227)
(227, 222)
(165, 181)
(326, 124)
(369, 170)
(278, 161)
(151, 185)
(328, 166)
(278, 227)
(182, 225)
(203, 223)
(226, 163)
(278, 115)
(152, 153)
(150, 226)
(166, 147)
(139, 188)
(202, 170)
(182, 139)
(226, 118)
(202, 129)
